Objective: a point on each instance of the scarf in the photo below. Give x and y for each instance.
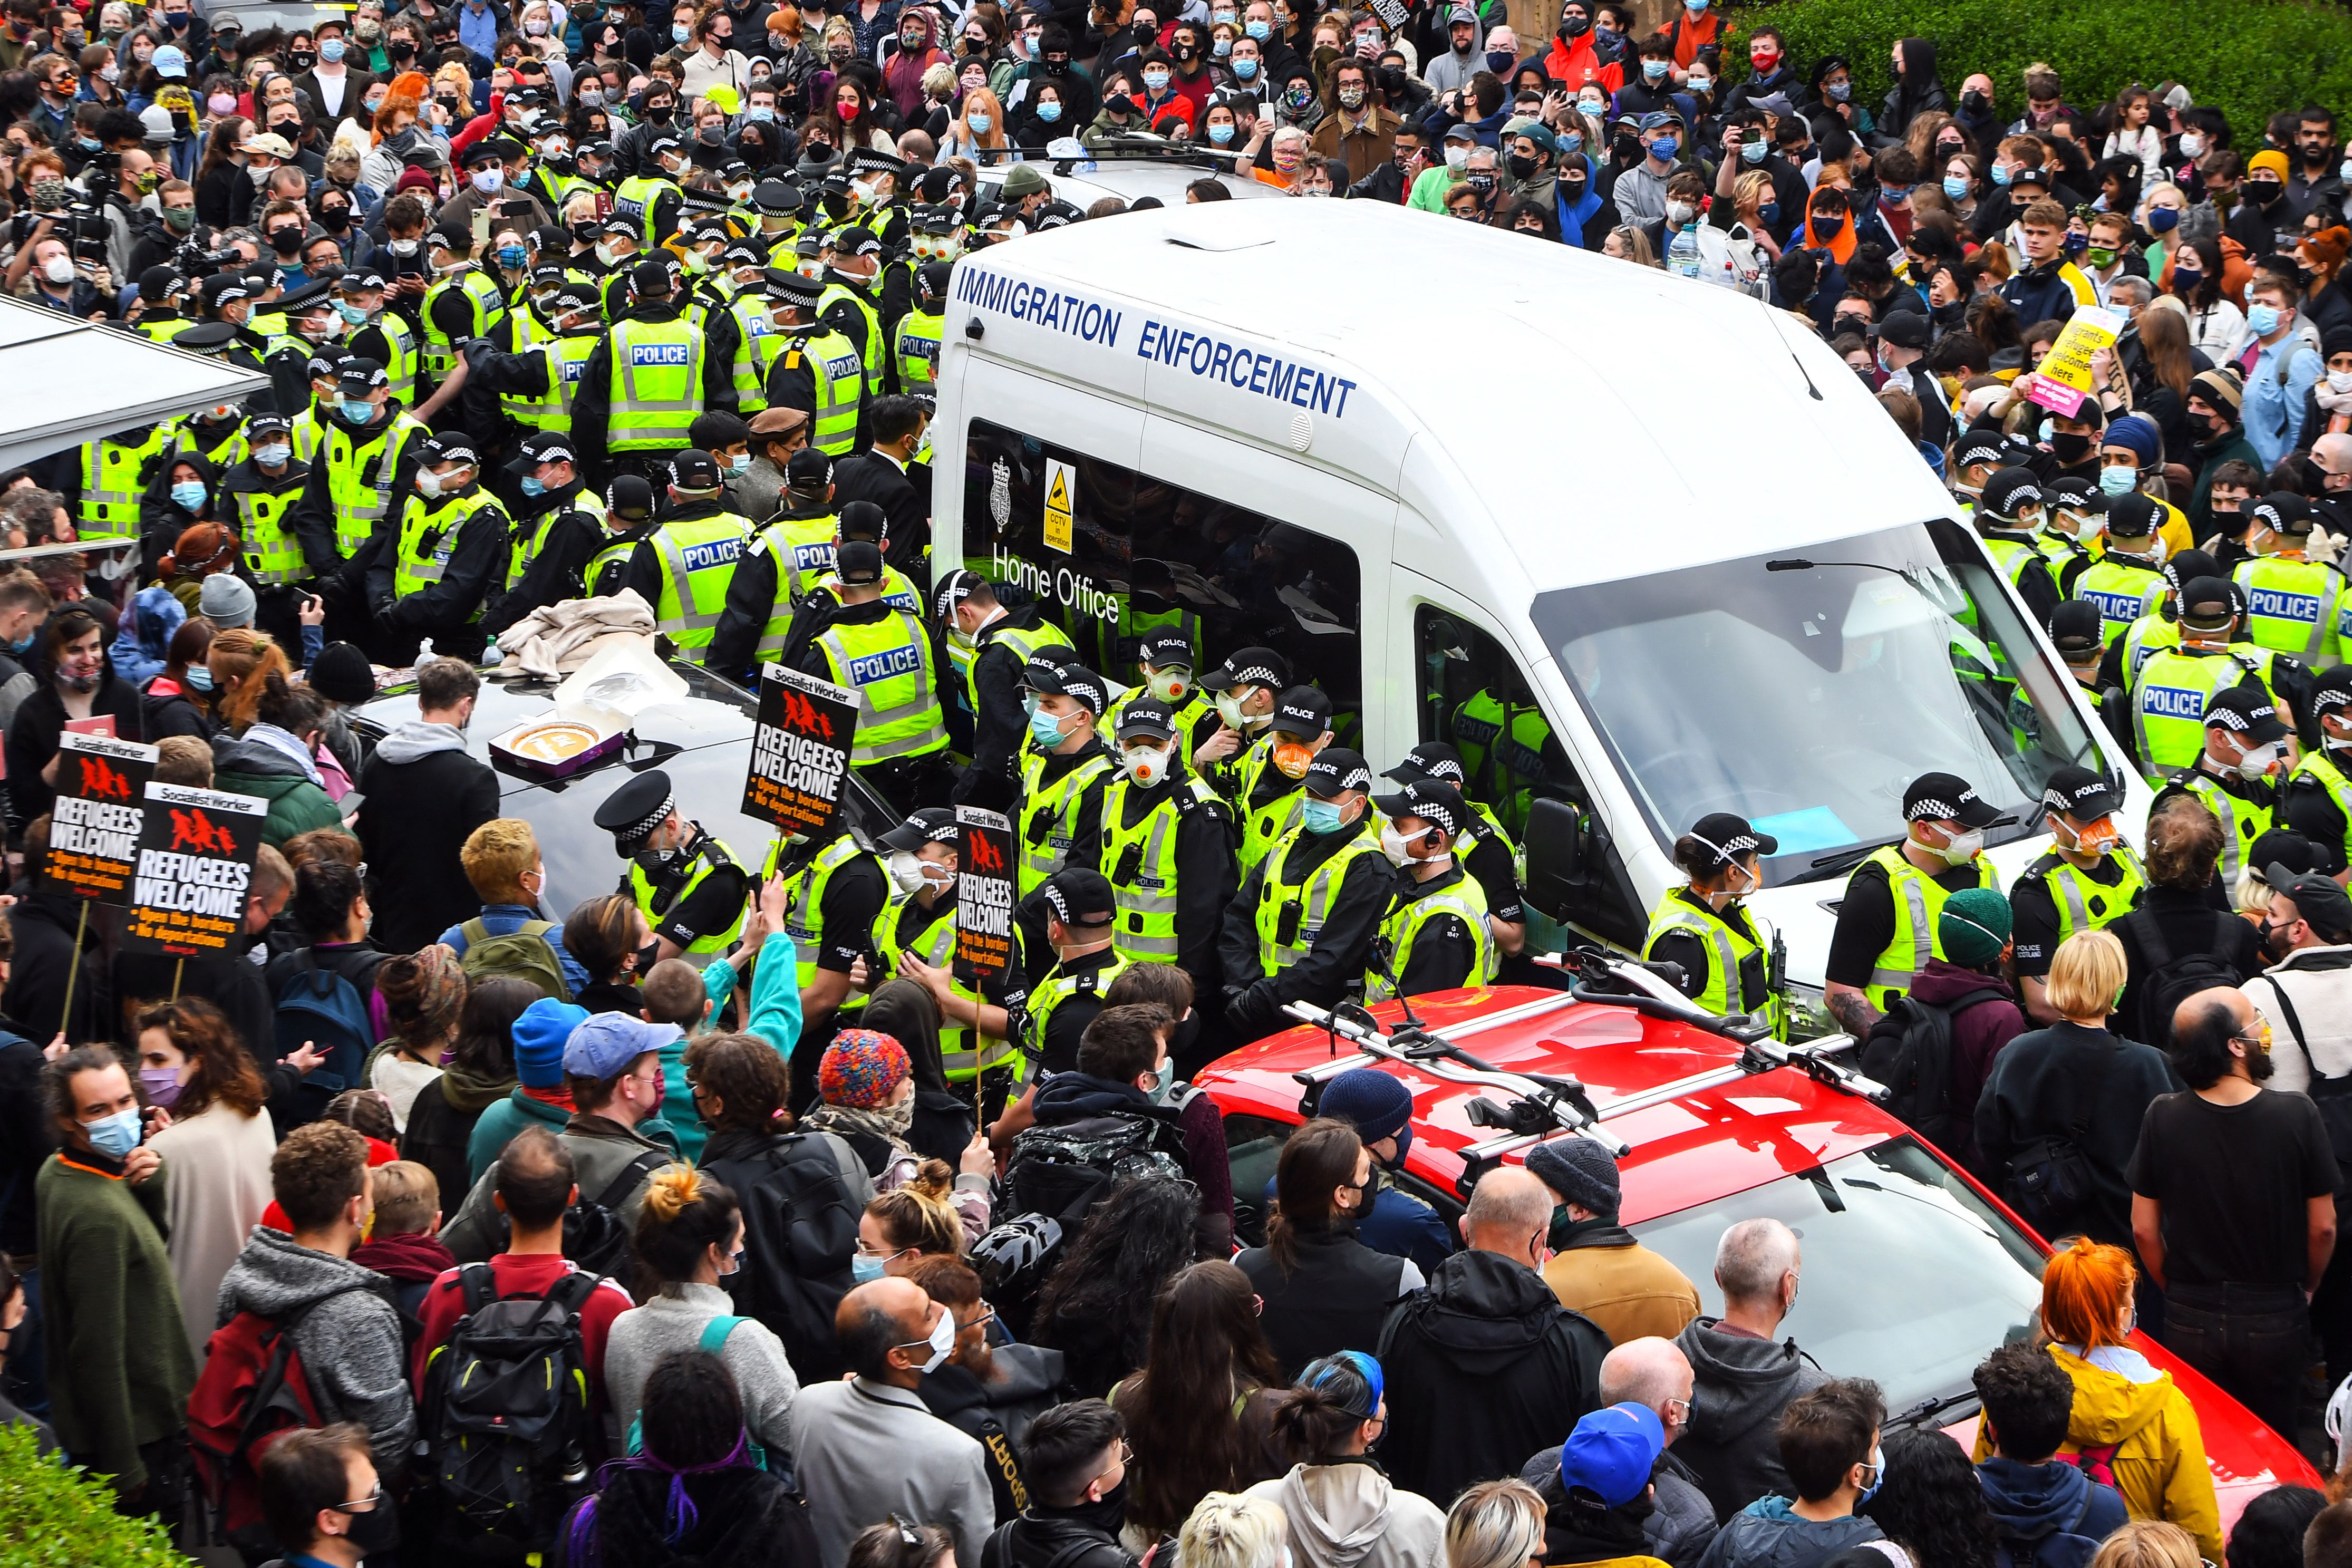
(2334, 402)
(887, 1123)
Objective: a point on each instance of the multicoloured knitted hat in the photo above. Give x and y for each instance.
(861, 1067)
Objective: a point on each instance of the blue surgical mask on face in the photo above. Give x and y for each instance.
(865, 1270)
(1221, 133)
(531, 485)
(1654, 71)
(24, 645)
(1752, 152)
(1246, 69)
(188, 494)
(1049, 112)
(1261, 31)
(332, 51)
(1956, 186)
(1045, 730)
(358, 410)
(1320, 816)
(2263, 319)
(2001, 174)
(352, 314)
(200, 678)
(114, 1136)
(2118, 479)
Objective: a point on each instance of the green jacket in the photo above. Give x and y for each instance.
(296, 804)
(1429, 190)
(116, 1379)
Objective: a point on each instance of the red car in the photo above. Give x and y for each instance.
(1913, 1272)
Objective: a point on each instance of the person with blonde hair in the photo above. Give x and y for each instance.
(977, 131)
(1494, 1524)
(1227, 1529)
(2149, 1544)
(2062, 1108)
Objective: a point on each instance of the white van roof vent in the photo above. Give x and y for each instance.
(1302, 431)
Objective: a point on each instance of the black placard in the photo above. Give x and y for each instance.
(101, 809)
(194, 869)
(800, 751)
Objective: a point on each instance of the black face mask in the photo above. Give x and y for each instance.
(1573, 190)
(285, 241)
(378, 1530)
(1520, 167)
(2070, 449)
(1626, 146)
(659, 113)
(334, 219)
(1827, 224)
(648, 955)
(399, 49)
(1574, 28)
(1482, 182)
(304, 59)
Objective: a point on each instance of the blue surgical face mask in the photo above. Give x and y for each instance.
(1320, 816)
(738, 465)
(1221, 133)
(358, 410)
(1045, 730)
(761, 112)
(1654, 71)
(531, 485)
(188, 494)
(352, 314)
(331, 50)
(2118, 479)
(680, 32)
(2002, 174)
(114, 1136)
(1956, 186)
(200, 678)
(1752, 152)
(1245, 67)
(1049, 112)
(865, 1270)
(24, 645)
(1261, 31)
(2263, 319)
(1877, 1473)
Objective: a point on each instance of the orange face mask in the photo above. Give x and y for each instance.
(1292, 758)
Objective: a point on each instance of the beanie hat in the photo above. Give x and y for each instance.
(2221, 388)
(538, 1035)
(2329, 246)
(2269, 160)
(1022, 180)
(1374, 1102)
(225, 601)
(861, 1068)
(341, 674)
(1580, 1170)
(1974, 927)
(2137, 432)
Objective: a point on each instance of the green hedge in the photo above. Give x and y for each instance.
(2250, 58)
(51, 1517)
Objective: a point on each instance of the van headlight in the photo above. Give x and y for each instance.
(1809, 1013)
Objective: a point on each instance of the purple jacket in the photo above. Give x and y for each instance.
(1978, 1034)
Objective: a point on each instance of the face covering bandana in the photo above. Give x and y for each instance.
(1147, 765)
(114, 1136)
(162, 1086)
(1321, 817)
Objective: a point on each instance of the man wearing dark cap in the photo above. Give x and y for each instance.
(915, 347)
(464, 303)
(533, 389)
(2075, 628)
(1002, 643)
(2317, 799)
(1064, 772)
(2160, 627)
(682, 568)
(914, 938)
(1167, 847)
(2174, 686)
(1242, 690)
(644, 385)
(260, 489)
(1597, 1269)
(2074, 514)
(1301, 928)
(364, 470)
(1166, 657)
(1887, 926)
(1435, 936)
(2008, 517)
(449, 554)
(753, 626)
(851, 306)
(882, 651)
(1078, 913)
(1488, 853)
(2127, 581)
(1704, 926)
(1300, 726)
(559, 527)
(777, 203)
(690, 885)
(816, 370)
(1977, 456)
(373, 333)
(2236, 773)
(650, 200)
(2087, 878)
(2292, 600)
(160, 289)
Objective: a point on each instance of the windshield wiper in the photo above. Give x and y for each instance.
(1853, 853)
(1928, 1409)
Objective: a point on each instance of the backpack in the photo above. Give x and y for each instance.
(505, 1423)
(2332, 1096)
(593, 1236)
(524, 954)
(2171, 981)
(2051, 1184)
(322, 1008)
(252, 1392)
(1063, 1170)
(1910, 1051)
(799, 1232)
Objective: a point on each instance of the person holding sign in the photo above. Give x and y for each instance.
(914, 938)
(884, 654)
(691, 886)
(833, 890)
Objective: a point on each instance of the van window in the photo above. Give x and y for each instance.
(1116, 554)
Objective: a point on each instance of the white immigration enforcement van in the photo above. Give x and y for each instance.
(1514, 496)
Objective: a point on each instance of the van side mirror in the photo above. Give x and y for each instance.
(1555, 850)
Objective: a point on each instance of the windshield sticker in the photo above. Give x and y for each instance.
(1815, 827)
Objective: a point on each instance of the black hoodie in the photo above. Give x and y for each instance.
(1739, 1386)
(1485, 1366)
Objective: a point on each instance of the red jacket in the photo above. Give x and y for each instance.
(1572, 67)
(529, 1275)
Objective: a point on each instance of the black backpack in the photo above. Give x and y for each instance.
(1063, 1170)
(2051, 1183)
(1910, 1051)
(504, 1434)
(799, 1232)
(593, 1236)
(2171, 981)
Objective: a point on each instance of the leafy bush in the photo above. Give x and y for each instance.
(52, 1517)
(2250, 58)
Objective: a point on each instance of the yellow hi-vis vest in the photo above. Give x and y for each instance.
(1049, 817)
(888, 663)
(1918, 900)
(272, 552)
(656, 392)
(1140, 862)
(1291, 912)
(110, 483)
(359, 478)
(428, 534)
(1466, 899)
(698, 561)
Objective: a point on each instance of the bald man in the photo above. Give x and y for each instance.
(1648, 1371)
(2331, 500)
(1746, 1374)
(869, 1447)
(1485, 1366)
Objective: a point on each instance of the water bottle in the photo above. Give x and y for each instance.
(1682, 255)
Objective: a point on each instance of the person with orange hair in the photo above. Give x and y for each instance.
(2127, 1411)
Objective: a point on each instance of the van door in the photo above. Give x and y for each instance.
(1470, 691)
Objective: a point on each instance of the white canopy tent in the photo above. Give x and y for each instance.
(64, 382)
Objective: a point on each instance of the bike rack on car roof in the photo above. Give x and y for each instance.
(1544, 1106)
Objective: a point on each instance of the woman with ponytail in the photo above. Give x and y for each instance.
(690, 1235)
(1336, 1496)
(276, 756)
(693, 1493)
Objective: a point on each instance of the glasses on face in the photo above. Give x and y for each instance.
(367, 1504)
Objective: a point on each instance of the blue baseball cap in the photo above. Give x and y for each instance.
(170, 61)
(607, 1043)
(538, 1035)
(1610, 1453)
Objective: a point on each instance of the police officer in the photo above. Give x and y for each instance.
(629, 522)
(1300, 726)
(2128, 581)
(1065, 774)
(2174, 685)
(2008, 517)
(534, 388)
(644, 385)
(2088, 878)
(2159, 628)
(1507, 746)
(463, 303)
(862, 519)
(2294, 602)
(1885, 929)
(1002, 644)
(452, 549)
(311, 322)
(682, 569)
(651, 202)
(1301, 927)
(349, 516)
(162, 291)
(370, 331)
(884, 654)
(752, 628)
(1243, 690)
(260, 489)
(1704, 925)
(1078, 911)
(2072, 519)
(834, 892)
(690, 885)
(778, 204)
(2316, 800)
(1435, 936)
(1168, 660)
(815, 369)
(2237, 771)
(559, 529)
(115, 471)
(1167, 847)
(914, 938)
(1976, 458)
(849, 305)
(915, 348)
(1488, 853)
(742, 330)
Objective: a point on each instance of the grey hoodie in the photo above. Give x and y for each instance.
(418, 739)
(1345, 1514)
(1740, 1386)
(1769, 1533)
(349, 1336)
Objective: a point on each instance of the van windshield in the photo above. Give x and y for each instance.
(1806, 699)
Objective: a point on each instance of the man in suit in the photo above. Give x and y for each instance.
(888, 476)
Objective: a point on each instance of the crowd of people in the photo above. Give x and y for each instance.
(725, 1219)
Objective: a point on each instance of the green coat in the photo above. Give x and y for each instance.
(116, 1378)
(296, 804)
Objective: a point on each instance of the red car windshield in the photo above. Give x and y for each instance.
(1909, 1277)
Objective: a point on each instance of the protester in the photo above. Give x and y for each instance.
(1203, 1400)
(1597, 1269)
(1744, 1375)
(1323, 1288)
(1344, 1513)
(219, 1147)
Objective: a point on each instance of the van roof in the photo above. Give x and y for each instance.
(1528, 379)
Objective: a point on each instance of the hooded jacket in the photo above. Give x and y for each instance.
(144, 636)
(1770, 1533)
(2031, 1503)
(441, 1122)
(1977, 1035)
(1916, 91)
(267, 765)
(424, 795)
(1344, 1513)
(1485, 1366)
(1024, 1382)
(345, 1329)
(1677, 1530)
(1740, 1385)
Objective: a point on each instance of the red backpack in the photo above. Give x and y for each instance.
(252, 1392)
